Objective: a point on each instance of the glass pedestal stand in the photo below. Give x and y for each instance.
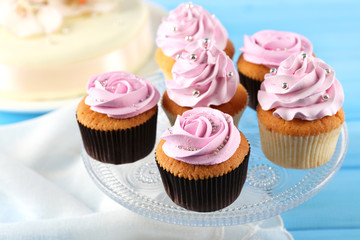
(269, 189)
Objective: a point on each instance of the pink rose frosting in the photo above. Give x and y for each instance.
(204, 75)
(121, 94)
(25, 18)
(270, 47)
(202, 136)
(304, 87)
(188, 23)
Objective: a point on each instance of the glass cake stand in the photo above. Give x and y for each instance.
(269, 189)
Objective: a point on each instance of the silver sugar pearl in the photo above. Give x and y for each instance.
(103, 83)
(285, 85)
(178, 55)
(327, 70)
(206, 42)
(272, 71)
(193, 57)
(196, 93)
(175, 29)
(134, 105)
(326, 97)
(304, 55)
(100, 100)
(189, 38)
(230, 74)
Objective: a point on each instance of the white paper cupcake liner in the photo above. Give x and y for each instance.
(299, 152)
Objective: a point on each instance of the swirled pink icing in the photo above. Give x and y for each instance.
(202, 136)
(189, 22)
(209, 79)
(270, 48)
(304, 87)
(120, 94)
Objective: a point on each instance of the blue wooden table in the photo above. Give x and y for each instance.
(334, 29)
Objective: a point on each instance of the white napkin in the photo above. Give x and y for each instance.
(46, 193)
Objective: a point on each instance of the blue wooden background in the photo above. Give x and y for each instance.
(334, 29)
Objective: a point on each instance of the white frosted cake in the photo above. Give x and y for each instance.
(49, 48)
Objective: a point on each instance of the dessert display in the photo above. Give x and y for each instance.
(117, 119)
(50, 48)
(204, 76)
(185, 24)
(203, 160)
(300, 112)
(264, 51)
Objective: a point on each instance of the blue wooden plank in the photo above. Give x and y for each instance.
(15, 117)
(336, 206)
(328, 234)
(353, 154)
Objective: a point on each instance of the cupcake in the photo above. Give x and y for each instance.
(187, 23)
(204, 76)
(117, 119)
(299, 113)
(262, 53)
(203, 160)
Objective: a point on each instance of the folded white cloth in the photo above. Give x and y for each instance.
(46, 193)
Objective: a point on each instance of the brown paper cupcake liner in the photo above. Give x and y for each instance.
(120, 146)
(205, 195)
(252, 87)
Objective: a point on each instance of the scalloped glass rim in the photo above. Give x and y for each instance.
(269, 189)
